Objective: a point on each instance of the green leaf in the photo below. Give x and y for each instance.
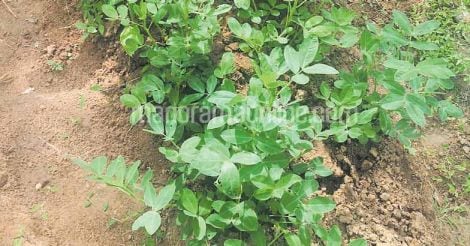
(131, 39)
(152, 8)
(366, 116)
(334, 237)
(200, 230)
(170, 154)
(117, 168)
(208, 162)
(217, 122)
(320, 69)
(248, 220)
(197, 85)
(136, 115)
(398, 64)
(234, 242)
(155, 122)
(358, 242)
(110, 11)
(385, 122)
(392, 102)
(391, 35)
(300, 79)
(342, 16)
(322, 31)
(132, 174)
(189, 201)
(226, 65)
(188, 149)
(229, 180)
(293, 59)
(151, 220)
(319, 168)
(426, 27)
(289, 202)
(236, 135)
(222, 98)
(222, 9)
(150, 195)
(284, 183)
(211, 84)
(401, 20)
(434, 68)
(349, 39)
(244, 32)
(263, 194)
(217, 221)
(98, 165)
(258, 237)
(164, 196)
(320, 205)
(415, 114)
(305, 235)
(313, 21)
(420, 45)
(292, 239)
(448, 109)
(242, 4)
(171, 123)
(129, 100)
(307, 51)
(268, 146)
(245, 158)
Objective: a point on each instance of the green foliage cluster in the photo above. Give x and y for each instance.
(453, 36)
(240, 178)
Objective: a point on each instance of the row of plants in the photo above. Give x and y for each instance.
(239, 175)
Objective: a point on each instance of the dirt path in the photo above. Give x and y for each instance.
(44, 116)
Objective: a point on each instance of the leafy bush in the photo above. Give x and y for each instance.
(452, 36)
(239, 175)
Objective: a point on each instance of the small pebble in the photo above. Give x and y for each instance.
(374, 152)
(466, 149)
(385, 196)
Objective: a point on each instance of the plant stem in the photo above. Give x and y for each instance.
(254, 5)
(276, 238)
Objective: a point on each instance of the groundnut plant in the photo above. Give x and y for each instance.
(239, 176)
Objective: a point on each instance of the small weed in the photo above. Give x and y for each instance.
(64, 135)
(52, 188)
(19, 239)
(453, 33)
(38, 210)
(55, 65)
(88, 202)
(111, 223)
(96, 87)
(82, 101)
(76, 120)
(454, 175)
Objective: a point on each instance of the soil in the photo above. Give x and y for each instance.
(383, 193)
(48, 116)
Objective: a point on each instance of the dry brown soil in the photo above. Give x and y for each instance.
(46, 116)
